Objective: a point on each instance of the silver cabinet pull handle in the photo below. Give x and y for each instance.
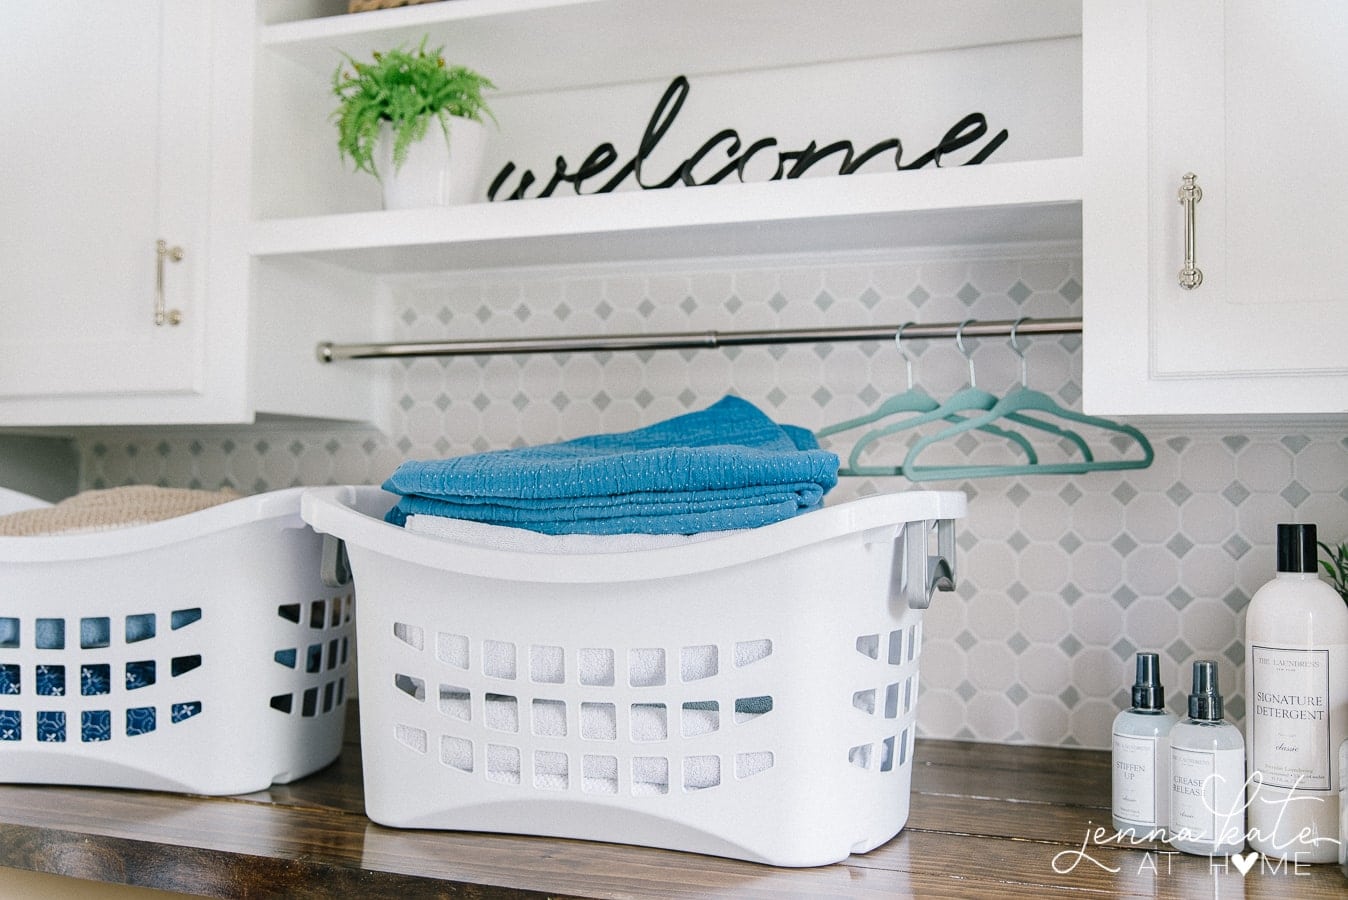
(173, 254)
(1190, 193)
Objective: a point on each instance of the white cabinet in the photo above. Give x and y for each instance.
(1249, 97)
(96, 171)
(127, 123)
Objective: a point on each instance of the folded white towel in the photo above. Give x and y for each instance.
(701, 772)
(503, 763)
(747, 764)
(650, 722)
(549, 718)
(600, 774)
(550, 770)
(503, 713)
(599, 722)
(646, 666)
(522, 540)
(650, 775)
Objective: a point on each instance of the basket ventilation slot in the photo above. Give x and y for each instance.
(140, 627)
(502, 713)
(95, 632)
(181, 618)
(411, 635)
(452, 650)
(700, 717)
(456, 702)
(140, 674)
(412, 687)
(595, 720)
(549, 718)
(551, 770)
(9, 633)
(599, 774)
(457, 753)
(503, 764)
(95, 679)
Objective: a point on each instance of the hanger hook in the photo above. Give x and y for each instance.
(908, 360)
(1015, 347)
(959, 342)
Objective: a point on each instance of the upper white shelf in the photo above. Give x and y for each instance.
(535, 45)
(992, 204)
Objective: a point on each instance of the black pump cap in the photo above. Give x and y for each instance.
(1297, 548)
(1205, 703)
(1148, 692)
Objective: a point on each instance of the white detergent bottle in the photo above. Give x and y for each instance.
(1140, 758)
(1296, 690)
(1207, 774)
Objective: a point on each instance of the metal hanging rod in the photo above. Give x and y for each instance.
(329, 352)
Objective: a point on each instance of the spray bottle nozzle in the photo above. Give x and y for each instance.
(1205, 701)
(1148, 692)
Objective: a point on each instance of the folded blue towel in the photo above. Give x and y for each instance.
(728, 466)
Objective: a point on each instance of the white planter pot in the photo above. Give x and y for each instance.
(434, 173)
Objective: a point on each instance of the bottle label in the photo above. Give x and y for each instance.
(1207, 795)
(1290, 715)
(1135, 781)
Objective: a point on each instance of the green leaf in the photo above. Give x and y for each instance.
(1336, 567)
(407, 90)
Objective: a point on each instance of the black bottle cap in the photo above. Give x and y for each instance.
(1297, 549)
(1148, 692)
(1205, 703)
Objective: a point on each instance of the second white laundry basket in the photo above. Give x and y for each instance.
(750, 696)
(199, 654)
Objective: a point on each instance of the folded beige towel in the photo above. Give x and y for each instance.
(117, 507)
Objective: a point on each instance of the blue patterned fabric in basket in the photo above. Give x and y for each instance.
(9, 680)
(95, 679)
(139, 674)
(95, 725)
(51, 681)
(51, 726)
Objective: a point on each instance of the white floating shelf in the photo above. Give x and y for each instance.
(533, 45)
(991, 204)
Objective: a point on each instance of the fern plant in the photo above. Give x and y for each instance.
(407, 90)
(1335, 564)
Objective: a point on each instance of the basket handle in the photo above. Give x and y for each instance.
(334, 568)
(920, 572)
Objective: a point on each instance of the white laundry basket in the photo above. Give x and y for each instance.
(200, 654)
(750, 696)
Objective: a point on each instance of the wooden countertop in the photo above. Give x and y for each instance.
(987, 821)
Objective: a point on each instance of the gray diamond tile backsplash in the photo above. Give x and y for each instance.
(1063, 578)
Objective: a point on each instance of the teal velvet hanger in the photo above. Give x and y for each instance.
(1013, 406)
(913, 400)
(970, 400)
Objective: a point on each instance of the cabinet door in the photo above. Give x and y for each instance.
(104, 149)
(1249, 97)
